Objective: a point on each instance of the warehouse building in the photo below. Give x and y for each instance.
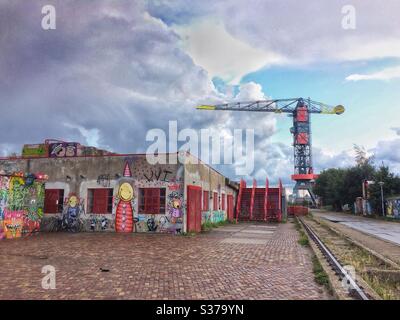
(87, 189)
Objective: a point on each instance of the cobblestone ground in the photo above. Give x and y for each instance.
(244, 261)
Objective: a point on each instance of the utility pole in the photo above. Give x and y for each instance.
(381, 183)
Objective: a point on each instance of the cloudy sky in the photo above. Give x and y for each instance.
(112, 70)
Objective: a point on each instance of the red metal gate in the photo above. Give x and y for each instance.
(193, 209)
(259, 204)
(230, 206)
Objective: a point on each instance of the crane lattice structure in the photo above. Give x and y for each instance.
(300, 109)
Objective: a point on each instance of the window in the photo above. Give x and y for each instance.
(100, 200)
(53, 200)
(223, 201)
(215, 201)
(152, 200)
(206, 200)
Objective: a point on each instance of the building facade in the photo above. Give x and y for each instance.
(125, 193)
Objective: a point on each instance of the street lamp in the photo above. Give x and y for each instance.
(381, 183)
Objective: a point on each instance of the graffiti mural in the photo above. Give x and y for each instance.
(13, 223)
(171, 222)
(99, 223)
(157, 223)
(125, 200)
(213, 216)
(21, 204)
(63, 149)
(104, 180)
(393, 208)
(34, 150)
(4, 185)
(73, 208)
(158, 175)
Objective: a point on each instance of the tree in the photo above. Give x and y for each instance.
(391, 186)
(329, 186)
(342, 186)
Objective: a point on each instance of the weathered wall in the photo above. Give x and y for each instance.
(21, 206)
(199, 174)
(76, 175)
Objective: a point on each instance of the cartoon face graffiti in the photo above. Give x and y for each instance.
(70, 151)
(175, 206)
(73, 201)
(124, 212)
(125, 192)
(73, 208)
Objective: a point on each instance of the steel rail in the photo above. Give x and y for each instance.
(354, 287)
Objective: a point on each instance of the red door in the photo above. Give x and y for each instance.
(193, 209)
(230, 206)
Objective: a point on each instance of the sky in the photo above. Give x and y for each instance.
(113, 70)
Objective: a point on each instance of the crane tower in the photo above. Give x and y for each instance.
(300, 109)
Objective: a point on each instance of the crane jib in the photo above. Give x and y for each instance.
(276, 106)
(299, 109)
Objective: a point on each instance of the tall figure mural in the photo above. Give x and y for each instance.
(124, 211)
(73, 209)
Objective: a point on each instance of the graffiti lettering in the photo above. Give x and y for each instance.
(63, 149)
(156, 175)
(104, 180)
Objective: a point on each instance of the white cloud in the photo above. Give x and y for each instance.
(385, 74)
(280, 29)
(250, 91)
(217, 51)
(91, 135)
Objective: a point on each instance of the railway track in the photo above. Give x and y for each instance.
(354, 289)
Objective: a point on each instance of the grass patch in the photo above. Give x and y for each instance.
(303, 239)
(362, 261)
(188, 234)
(207, 226)
(320, 276)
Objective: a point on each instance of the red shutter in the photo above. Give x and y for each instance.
(152, 200)
(100, 200)
(215, 201)
(205, 200)
(50, 200)
(223, 202)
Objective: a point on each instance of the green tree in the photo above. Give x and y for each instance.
(329, 186)
(342, 186)
(391, 186)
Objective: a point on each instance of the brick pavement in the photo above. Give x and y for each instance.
(244, 261)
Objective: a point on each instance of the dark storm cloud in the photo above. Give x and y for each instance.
(108, 66)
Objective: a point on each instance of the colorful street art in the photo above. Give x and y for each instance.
(63, 149)
(175, 206)
(13, 223)
(35, 150)
(213, 216)
(99, 223)
(73, 208)
(393, 208)
(124, 210)
(157, 223)
(21, 204)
